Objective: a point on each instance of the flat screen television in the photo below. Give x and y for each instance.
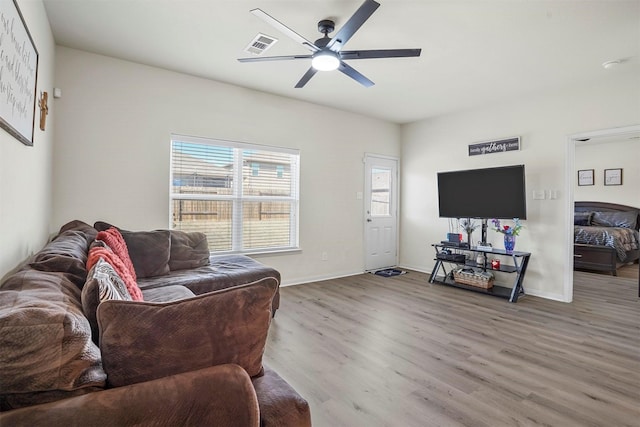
(483, 193)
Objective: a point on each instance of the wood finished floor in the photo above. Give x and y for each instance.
(628, 271)
(373, 351)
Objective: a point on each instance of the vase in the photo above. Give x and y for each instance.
(509, 242)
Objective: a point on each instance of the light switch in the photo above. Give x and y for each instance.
(359, 195)
(538, 194)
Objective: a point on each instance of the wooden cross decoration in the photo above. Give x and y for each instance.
(44, 109)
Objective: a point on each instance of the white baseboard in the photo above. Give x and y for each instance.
(311, 279)
(528, 291)
(415, 268)
(545, 295)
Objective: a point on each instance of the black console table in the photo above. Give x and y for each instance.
(520, 262)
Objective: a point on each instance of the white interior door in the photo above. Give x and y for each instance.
(381, 212)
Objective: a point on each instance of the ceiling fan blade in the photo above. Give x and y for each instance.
(307, 76)
(353, 24)
(379, 53)
(275, 58)
(355, 75)
(284, 29)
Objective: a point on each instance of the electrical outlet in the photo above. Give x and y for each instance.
(325, 256)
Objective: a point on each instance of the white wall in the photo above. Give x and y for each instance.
(624, 154)
(112, 158)
(25, 172)
(544, 122)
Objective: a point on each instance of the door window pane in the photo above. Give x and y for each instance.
(380, 192)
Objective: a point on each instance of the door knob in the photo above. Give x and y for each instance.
(368, 219)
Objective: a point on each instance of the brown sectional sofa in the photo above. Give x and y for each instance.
(189, 354)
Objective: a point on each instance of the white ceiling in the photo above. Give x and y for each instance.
(474, 52)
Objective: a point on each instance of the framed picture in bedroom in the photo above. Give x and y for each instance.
(613, 177)
(585, 177)
(19, 70)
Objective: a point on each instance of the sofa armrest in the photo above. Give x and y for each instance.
(220, 395)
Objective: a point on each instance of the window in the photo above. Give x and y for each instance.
(243, 197)
(380, 192)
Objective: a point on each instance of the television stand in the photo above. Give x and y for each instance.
(519, 267)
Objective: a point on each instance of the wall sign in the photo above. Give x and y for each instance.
(499, 146)
(585, 177)
(613, 177)
(18, 73)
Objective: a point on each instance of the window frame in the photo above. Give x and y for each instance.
(237, 198)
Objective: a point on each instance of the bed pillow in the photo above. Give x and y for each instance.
(142, 341)
(582, 218)
(626, 219)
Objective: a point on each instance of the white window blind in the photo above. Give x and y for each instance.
(244, 197)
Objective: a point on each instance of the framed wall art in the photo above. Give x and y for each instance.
(613, 177)
(585, 177)
(18, 74)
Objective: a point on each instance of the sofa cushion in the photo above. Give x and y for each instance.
(77, 225)
(114, 240)
(45, 339)
(103, 283)
(188, 250)
(67, 253)
(96, 252)
(167, 293)
(224, 271)
(280, 404)
(149, 251)
(141, 341)
(103, 226)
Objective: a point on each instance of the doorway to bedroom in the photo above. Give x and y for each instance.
(602, 167)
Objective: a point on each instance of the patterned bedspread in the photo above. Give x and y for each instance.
(618, 238)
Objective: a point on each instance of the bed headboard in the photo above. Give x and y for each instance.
(606, 207)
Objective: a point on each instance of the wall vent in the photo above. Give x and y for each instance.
(260, 44)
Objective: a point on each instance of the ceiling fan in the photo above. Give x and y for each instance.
(327, 53)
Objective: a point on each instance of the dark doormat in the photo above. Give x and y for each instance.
(389, 272)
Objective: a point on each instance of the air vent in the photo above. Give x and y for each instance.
(260, 44)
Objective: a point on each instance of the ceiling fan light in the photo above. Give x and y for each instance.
(325, 61)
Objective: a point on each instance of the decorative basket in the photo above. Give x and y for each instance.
(479, 279)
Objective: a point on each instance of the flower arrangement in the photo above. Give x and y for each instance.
(505, 229)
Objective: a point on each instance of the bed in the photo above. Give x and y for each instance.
(606, 236)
